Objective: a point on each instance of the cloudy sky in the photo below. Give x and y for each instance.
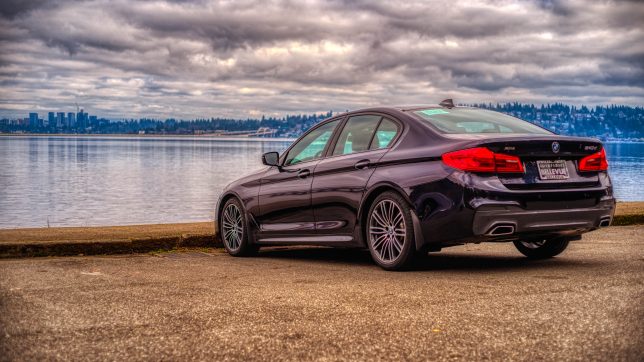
(188, 59)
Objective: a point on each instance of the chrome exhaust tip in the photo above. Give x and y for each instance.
(501, 230)
(604, 221)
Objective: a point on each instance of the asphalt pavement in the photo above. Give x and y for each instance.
(474, 302)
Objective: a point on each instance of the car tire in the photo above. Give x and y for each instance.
(542, 249)
(233, 229)
(389, 232)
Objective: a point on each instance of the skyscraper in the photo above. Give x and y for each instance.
(81, 119)
(60, 120)
(51, 120)
(33, 119)
(71, 119)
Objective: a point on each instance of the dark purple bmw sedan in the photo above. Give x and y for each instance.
(404, 181)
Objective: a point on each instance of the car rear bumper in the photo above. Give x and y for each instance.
(463, 208)
(504, 221)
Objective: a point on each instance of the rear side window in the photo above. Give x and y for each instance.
(356, 134)
(385, 134)
(476, 121)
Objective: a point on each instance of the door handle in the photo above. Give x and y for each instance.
(362, 164)
(303, 173)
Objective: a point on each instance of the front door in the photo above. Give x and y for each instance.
(285, 192)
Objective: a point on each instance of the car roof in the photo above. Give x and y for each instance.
(403, 108)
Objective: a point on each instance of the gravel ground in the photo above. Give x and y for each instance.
(476, 302)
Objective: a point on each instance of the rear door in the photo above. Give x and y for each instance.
(340, 179)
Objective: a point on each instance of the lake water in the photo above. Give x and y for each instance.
(88, 181)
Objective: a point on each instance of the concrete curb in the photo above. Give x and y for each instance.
(18, 249)
(96, 247)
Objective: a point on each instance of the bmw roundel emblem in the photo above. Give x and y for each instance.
(556, 147)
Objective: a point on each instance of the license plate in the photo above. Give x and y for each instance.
(552, 169)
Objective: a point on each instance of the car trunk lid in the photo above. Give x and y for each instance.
(549, 161)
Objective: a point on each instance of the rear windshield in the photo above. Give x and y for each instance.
(473, 120)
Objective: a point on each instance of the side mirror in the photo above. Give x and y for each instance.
(271, 158)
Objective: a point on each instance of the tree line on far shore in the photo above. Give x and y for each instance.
(614, 121)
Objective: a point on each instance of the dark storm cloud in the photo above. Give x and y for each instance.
(246, 58)
(13, 8)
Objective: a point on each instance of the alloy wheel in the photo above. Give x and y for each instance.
(387, 231)
(232, 227)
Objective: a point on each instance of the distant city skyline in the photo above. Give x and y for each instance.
(54, 119)
(200, 58)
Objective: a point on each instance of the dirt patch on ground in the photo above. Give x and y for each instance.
(106, 233)
(630, 208)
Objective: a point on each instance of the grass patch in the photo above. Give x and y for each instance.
(201, 249)
(632, 219)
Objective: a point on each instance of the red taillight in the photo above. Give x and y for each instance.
(595, 162)
(508, 163)
(481, 159)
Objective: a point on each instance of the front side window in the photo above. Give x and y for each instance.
(476, 121)
(385, 134)
(311, 146)
(356, 135)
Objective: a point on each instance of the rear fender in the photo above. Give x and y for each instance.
(365, 204)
